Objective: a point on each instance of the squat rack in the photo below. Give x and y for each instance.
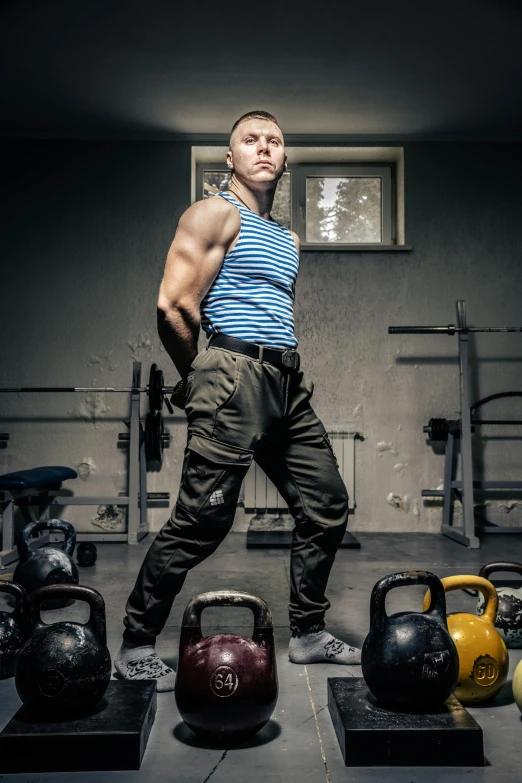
(440, 429)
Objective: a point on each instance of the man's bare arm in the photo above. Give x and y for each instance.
(205, 232)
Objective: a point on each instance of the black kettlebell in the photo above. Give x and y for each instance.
(409, 658)
(64, 668)
(86, 554)
(14, 628)
(226, 685)
(48, 565)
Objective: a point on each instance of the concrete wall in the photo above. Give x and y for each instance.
(87, 230)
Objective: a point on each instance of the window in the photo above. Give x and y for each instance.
(343, 205)
(329, 200)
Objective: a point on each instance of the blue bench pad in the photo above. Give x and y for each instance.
(48, 477)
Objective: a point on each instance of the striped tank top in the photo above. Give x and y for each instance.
(253, 294)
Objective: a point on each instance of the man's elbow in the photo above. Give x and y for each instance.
(171, 310)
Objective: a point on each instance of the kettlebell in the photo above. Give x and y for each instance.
(86, 554)
(483, 657)
(517, 685)
(47, 565)
(14, 628)
(509, 613)
(64, 668)
(409, 658)
(226, 685)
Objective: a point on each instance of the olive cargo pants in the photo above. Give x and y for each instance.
(239, 409)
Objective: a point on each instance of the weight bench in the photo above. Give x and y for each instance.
(19, 489)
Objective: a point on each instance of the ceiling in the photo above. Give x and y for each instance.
(408, 68)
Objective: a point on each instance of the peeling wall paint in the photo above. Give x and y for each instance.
(93, 407)
(140, 345)
(86, 467)
(383, 446)
(109, 517)
(402, 504)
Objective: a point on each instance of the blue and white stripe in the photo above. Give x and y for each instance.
(253, 294)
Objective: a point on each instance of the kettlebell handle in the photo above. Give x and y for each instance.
(24, 550)
(21, 601)
(500, 565)
(472, 582)
(436, 606)
(192, 614)
(96, 620)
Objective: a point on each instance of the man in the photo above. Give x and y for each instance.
(232, 269)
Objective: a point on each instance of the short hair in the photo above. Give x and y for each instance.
(263, 115)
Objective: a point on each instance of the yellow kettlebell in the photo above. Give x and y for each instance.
(483, 656)
(517, 685)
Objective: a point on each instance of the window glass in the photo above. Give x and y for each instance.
(343, 209)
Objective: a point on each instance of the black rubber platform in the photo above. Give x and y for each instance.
(371, 735)
(113, 738)
(273, 539)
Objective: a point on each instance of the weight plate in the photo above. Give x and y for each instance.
(439, 429)
(156, 385)
(153, 437)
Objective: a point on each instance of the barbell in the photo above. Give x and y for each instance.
(156, 390)
(153, 434)
(451, 329)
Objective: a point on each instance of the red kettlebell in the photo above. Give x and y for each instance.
(226, 685)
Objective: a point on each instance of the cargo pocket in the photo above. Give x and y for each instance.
(211, 479)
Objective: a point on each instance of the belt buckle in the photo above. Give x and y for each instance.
(291, 359)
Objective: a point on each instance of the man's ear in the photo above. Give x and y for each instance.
(230, 163)
(286, 163)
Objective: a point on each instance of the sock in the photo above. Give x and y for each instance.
(321, 647)
(143, 663)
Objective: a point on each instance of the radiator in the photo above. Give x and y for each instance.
(261, 496)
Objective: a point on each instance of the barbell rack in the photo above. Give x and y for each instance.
(463, 428)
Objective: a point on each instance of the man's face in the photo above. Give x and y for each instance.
(257, 151)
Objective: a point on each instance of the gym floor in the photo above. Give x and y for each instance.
(299, 743)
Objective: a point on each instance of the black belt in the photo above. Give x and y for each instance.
(272, 355)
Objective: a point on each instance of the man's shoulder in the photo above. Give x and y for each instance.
(215, 218)
(208, 208)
